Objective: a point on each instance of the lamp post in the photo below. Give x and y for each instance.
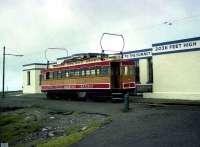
(3, 78)
(54, 48)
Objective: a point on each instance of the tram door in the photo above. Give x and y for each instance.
(115, 74)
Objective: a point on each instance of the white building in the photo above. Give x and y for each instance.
(31, 77)
(176, 70)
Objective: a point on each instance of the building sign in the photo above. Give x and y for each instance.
(145, 53)
(176, 46)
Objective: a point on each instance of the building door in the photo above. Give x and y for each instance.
(115, 74)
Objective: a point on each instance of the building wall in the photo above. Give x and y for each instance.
(34, 70)
(176, 76)
(176, 70)
(143, 67)
(34, 82)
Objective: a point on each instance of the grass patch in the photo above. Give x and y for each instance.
(76, 113)
(73, 129)
(75, 134)
(14, 127)
(68, 140)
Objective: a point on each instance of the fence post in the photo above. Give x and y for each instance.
(126, 102)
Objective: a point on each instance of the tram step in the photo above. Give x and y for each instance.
(117, 93)
(117, 98)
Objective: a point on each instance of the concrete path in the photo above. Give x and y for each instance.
(153, 127)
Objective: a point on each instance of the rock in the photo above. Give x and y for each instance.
(52, 117)
(67, 113)
(44, 129)
(83, 128)
(71, 121)
(51, 134)
(27, 118)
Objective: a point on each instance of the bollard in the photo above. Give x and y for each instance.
(126, 102)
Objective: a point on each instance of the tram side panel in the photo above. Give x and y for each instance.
(72, 82)
(97, 79)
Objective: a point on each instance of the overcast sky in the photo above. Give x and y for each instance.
(30, 26)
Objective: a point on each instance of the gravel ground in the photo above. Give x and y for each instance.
(145, 125)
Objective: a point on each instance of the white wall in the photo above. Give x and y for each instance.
(34, 82)
(143, 67)
(176, 76)
(34, 86)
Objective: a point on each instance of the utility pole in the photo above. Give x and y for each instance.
(3, 78)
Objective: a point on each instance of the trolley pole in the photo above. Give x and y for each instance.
(3, 78)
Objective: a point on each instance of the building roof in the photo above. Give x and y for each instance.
(80, 55)
(34, 64)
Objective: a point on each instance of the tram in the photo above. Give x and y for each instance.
(89, 75)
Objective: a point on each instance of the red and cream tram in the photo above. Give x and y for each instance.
(83, 75)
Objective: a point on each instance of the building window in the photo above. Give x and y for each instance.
(137, 72)
(150, 70)
(40, 79)
(28, 78)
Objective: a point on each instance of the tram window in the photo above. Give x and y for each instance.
(126, 70)
(131, 71)
(77, 73)
(63, 74)
(82, 72)
(71, 73)
(47, 75)
(43, 77)
(98, 71)
(50, 75)
(87, 72)
(55, 75)
(59, 75)
(104, 71)
(66, 74)
(92, 71)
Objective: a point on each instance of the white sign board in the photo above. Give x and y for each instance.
(176, 47)
(138, 54)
